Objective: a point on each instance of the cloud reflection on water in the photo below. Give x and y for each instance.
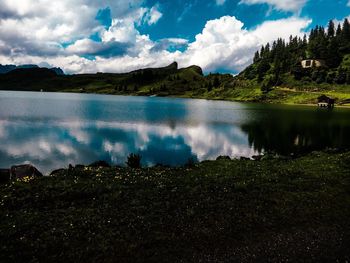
(52, 130)
(56, 144)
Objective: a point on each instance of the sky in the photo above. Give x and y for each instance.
(88, 36)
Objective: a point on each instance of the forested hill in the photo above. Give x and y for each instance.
(326, 49)
(165, 81)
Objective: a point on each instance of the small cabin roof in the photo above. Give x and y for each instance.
(313, 59)
(324, 98)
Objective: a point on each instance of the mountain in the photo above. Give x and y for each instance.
(170, 69)
(28, 66)
(58, 71)
(7, 68)
(164, 81)
(30, 73)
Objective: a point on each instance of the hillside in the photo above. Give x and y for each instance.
(8, 68)
(169, 80)
(301, 69)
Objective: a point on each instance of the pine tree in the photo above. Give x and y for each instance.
(262, 52)
(216, 82)
(338, 31)
(333, 57)
(331, 29)
(209, 86)
(263, 67)
(346, 30)
(256, 57)
(305, 40)
(318, 43)
(345, 37)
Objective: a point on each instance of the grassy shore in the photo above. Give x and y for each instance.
(216, 211)
(173, 82)
(299, 95)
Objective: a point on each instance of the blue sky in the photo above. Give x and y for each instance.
(119, 35)
(183, 18)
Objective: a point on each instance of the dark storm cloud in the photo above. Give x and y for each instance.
(110, 49)
(16, 44)
(7, 13)
(88, 47)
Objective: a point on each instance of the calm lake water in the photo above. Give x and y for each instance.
(51, 130)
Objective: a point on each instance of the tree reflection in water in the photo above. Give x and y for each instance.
(288, 132)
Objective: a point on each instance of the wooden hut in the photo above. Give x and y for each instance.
(325, 102)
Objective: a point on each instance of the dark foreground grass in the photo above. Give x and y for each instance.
(218, 211)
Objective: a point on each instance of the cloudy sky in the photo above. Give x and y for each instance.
(122, 35)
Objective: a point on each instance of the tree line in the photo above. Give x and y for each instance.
(330, 45)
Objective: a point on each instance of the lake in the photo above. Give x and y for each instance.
(52, 130)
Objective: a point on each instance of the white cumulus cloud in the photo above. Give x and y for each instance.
(224, 43)
(33, 32)
(285, 5)
(45, 25)
(153, 15)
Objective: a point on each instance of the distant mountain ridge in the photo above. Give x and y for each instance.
(164, 81)
(173, 67)
(8, 68)
(34, 73)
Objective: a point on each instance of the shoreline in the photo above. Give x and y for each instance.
(101, 164)
(269, 102)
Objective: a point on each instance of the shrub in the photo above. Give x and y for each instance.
(348, 78)
(268, 83)
(134, 160)
(306, 79)
(100, 164)
(216, 82)
(330, 77)
(319, 76)
(190, 162)
(340, 77)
